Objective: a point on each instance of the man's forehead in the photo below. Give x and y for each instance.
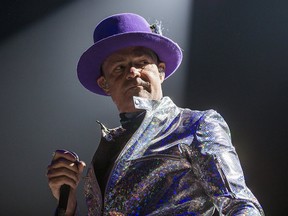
(134, 51)
(139, 51)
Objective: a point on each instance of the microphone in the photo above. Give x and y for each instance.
(63, 200)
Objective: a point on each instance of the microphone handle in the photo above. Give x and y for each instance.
(63, 200)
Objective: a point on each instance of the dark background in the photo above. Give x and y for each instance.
(16, 15)
(235, 62)
(238, 55)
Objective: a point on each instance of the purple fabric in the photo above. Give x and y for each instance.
(120, 31)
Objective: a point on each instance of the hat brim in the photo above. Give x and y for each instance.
(89, 65)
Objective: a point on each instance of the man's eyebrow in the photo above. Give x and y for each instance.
(143, 53)
(115, 60)
(145, 56)
(148, 53)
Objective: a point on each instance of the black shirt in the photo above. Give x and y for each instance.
(110, 150)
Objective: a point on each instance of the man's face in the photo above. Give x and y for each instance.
(129, 72)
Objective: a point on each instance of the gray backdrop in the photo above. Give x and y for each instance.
(44, 107)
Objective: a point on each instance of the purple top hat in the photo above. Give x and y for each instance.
(121, 31)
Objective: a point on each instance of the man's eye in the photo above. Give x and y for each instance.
(143, 63)
(119, 69)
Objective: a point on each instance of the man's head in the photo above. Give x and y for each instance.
(118, 33)
(132, 71)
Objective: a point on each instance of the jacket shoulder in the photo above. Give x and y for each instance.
(193, 116)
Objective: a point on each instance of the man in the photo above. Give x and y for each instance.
(162, 160)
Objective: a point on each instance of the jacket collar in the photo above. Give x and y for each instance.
(159, 115)
(160, 108)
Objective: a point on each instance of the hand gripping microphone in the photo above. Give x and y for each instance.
(64, 193)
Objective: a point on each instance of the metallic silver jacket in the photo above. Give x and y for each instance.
(178, 162)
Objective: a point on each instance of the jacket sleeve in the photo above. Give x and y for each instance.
(92, 193)
(216, 164)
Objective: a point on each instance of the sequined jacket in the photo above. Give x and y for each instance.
(178, 162)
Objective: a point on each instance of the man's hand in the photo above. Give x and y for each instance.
(65, 168)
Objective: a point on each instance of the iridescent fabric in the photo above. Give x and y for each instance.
(178, 162)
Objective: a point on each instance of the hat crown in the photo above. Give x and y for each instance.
(119, 24)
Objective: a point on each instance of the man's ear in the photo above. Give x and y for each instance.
(161, 69)
(102, 83)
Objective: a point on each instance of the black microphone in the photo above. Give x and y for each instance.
(63, 200)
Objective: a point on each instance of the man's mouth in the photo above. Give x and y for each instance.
(145, 85)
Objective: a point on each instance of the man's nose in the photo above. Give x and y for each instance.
(134, 72)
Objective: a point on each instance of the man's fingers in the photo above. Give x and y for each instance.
(58, 181)
(62, 171)
(81, 166)
(62, 162)
(61, 153)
